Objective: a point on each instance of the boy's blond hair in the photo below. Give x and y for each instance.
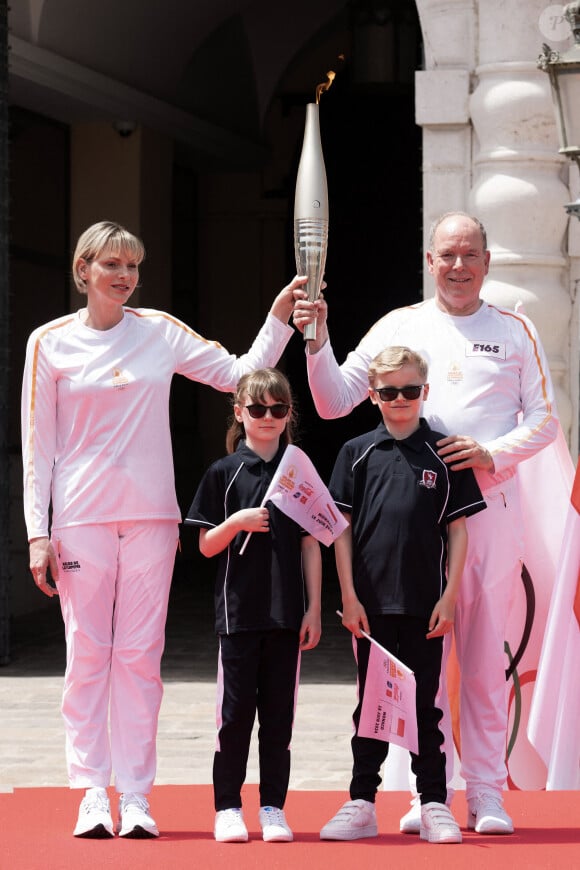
(393, 358)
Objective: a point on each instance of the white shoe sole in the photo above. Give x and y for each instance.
(359, 834)
(281, 837)
(235, 838)
(488, 825)
(435, 837)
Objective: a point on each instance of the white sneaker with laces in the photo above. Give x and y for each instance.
(486, 814)
(438, 824)
(354, 820)
(94, 821)
(275, 828)
(135, 822)
(410, 823)
(229, 826)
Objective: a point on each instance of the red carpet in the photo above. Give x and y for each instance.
(36, 826)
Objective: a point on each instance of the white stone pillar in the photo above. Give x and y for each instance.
(446, 146)
(519, 195)
(442, 109)
(497, 157)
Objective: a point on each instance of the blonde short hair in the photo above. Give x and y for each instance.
(100, 237)
(393, 358)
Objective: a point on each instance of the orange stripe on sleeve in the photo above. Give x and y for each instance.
(535, 346)
(178, 323)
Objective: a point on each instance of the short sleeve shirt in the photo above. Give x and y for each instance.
(401, 497)
(263, 588)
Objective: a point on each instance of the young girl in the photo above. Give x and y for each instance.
(267, 603)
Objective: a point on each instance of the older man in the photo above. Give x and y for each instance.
(488, 378)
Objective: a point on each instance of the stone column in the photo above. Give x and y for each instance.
(442, 109)
(490, 148)
(517, 189)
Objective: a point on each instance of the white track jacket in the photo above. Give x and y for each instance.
(95, 413)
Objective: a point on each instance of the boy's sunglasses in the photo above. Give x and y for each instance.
(278, 411)
(389, 394)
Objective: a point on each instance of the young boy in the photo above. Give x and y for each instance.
(267, 603)
(399, 565)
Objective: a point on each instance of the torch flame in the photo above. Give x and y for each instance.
(324, 86)
(330, 76)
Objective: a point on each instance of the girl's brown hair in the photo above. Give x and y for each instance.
(252, 388)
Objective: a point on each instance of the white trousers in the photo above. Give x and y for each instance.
(114, 581)
(492, 572)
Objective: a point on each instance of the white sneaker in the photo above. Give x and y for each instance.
(229, 826)
(135, 821)
(438, 824)
(94, 821)
(486, 814)
(353, 821)
(410, 823)
(275, 828)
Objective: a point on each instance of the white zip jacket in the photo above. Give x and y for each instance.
(488, 378)
(95, 413)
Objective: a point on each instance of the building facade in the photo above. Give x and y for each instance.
(184, 122)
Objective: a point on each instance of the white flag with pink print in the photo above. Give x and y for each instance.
(389, 707)
(298, 491)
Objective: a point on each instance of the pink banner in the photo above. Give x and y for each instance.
(555, 709)
(545, 484)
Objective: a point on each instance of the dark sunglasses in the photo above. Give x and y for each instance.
(278, 411)
(389, 394)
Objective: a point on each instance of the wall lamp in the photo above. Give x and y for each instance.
(564, 72)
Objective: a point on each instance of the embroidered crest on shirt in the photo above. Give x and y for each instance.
(454, 373)
(429, 479)
(120, 381)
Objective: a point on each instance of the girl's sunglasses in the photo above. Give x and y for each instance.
(278, 411)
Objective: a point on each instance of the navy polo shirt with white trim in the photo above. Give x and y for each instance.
(401, 496)
(263, 588)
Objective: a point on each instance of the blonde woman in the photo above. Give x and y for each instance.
(97, 449)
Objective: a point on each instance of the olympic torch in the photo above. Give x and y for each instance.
(311, 206)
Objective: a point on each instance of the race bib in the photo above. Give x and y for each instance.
(486, 348)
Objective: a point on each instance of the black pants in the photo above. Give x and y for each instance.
(404, 636)
(258, 671)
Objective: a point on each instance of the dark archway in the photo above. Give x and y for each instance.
(372, 150)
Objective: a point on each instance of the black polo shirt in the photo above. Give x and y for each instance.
(263, 588)
(401, 496)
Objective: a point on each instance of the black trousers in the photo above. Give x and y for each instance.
(258, 671)
(404, 636)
